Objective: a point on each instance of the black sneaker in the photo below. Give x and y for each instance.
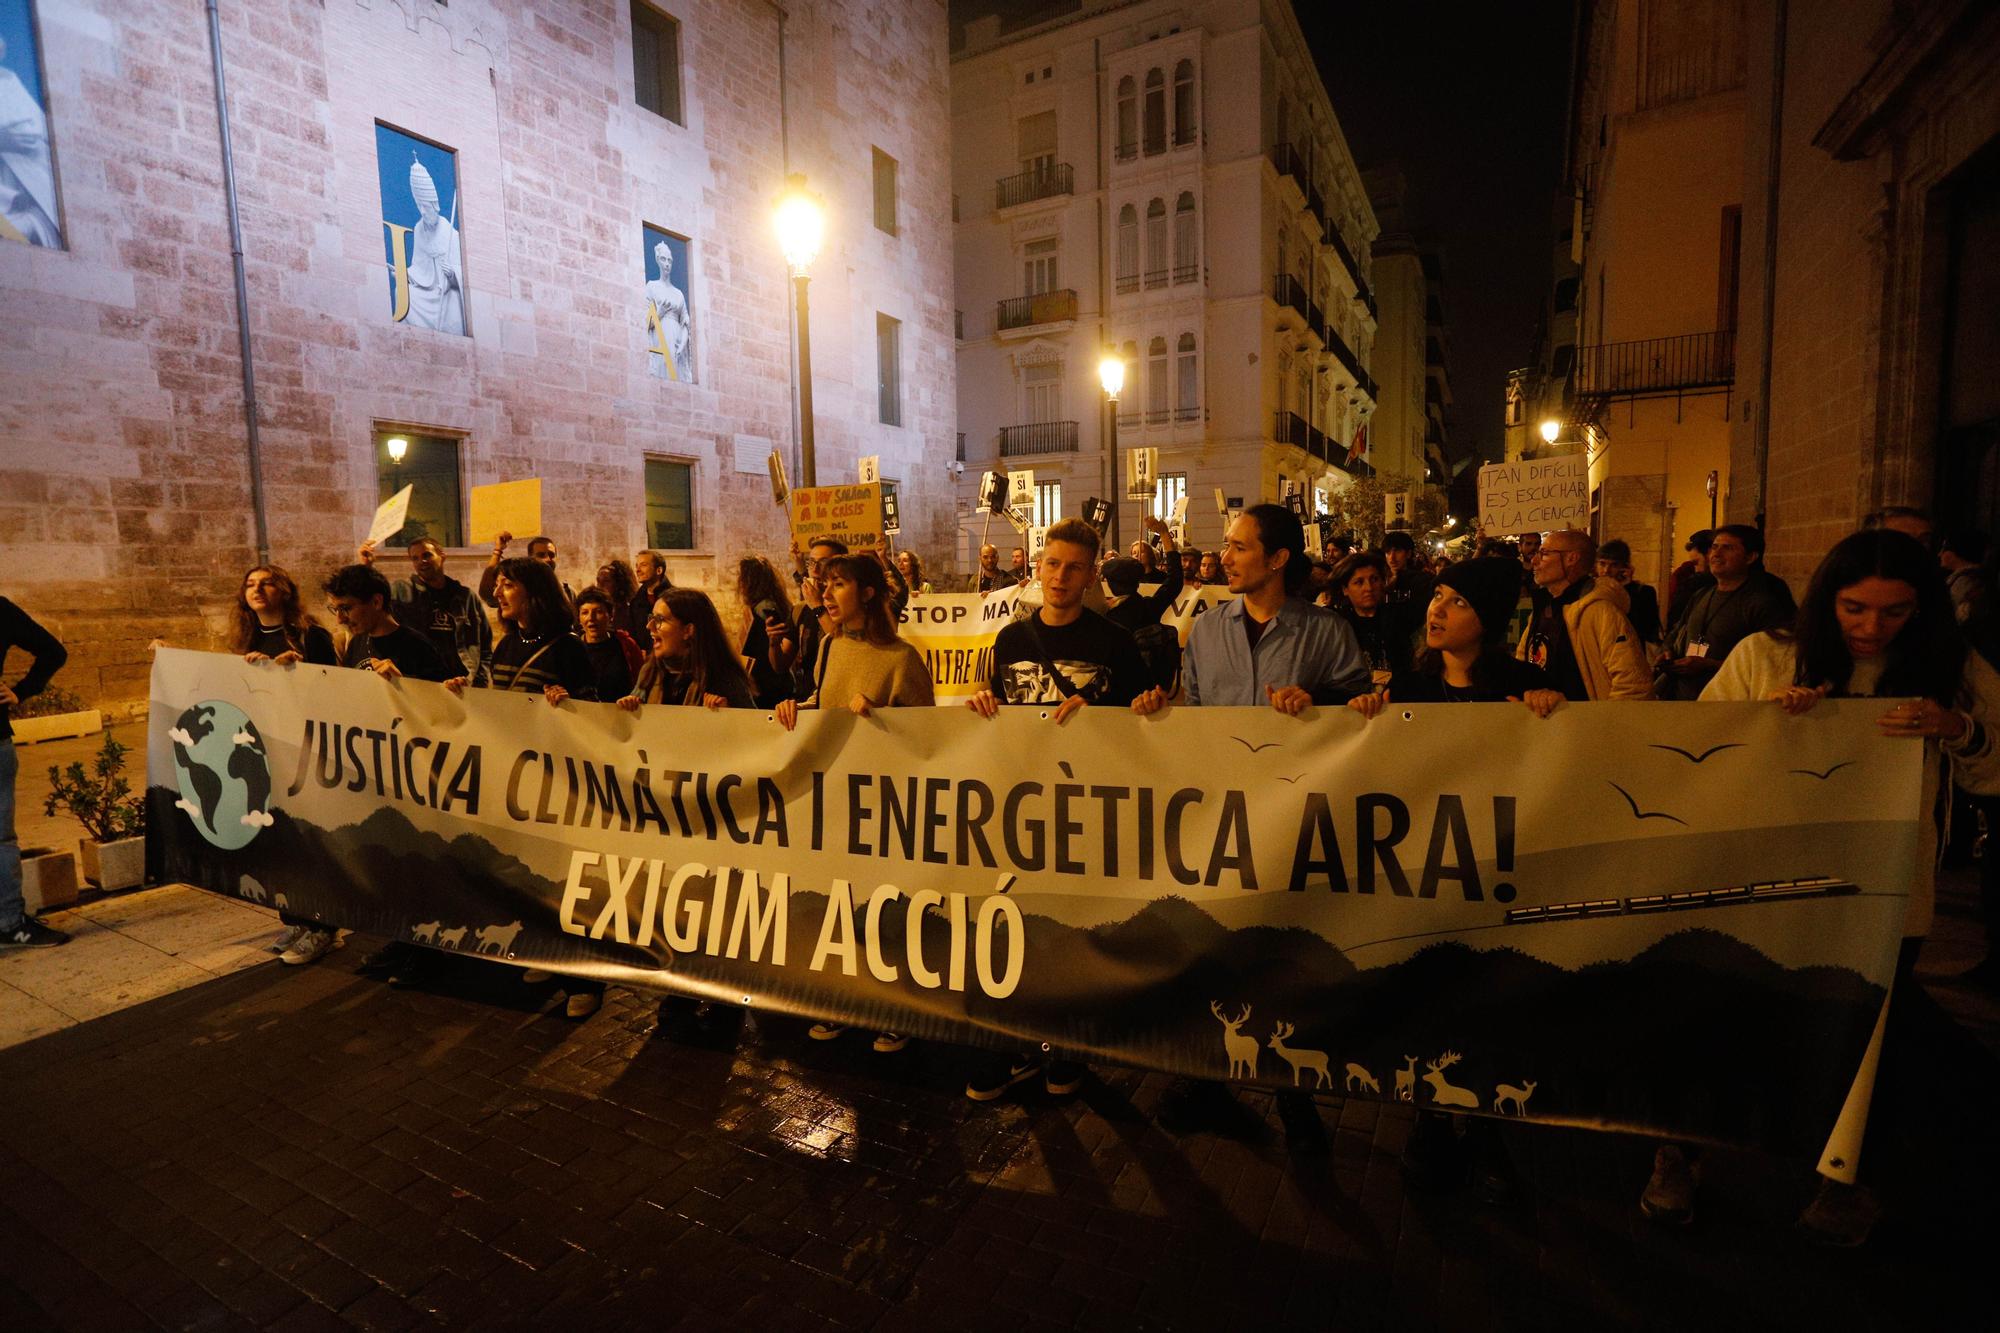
(32, 934)
(1062, 1077)
(999, 1074)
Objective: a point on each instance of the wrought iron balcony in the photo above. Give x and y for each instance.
(1040, 183)
(1362, 293)
(1290, 293)
(1290, 428)
(1348, 361)
(1315, 203)
(1038, 437)
(1657, 365)
(1021, 312)
(1186, 273)
(1155, 277)
(1288, 162)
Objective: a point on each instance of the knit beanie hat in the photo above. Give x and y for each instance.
(1122, 574)
(1492, 584)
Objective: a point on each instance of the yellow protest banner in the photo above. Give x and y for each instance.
(850, 514)
(505, 506)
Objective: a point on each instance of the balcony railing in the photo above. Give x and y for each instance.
(1316, 442)
(1289, 292)
(1021, 312)
(1155, 277)
(1348, 361)
(1315, 202)
(1657, 365)
(1315, 317)
(1041, 183)
(1038, 437)
(1128, 282)
(1158, 416)
(1288, 162)
(1125, 152)
(1185, 414)
(1186, 273)
(1290, 428)
(1361, 289)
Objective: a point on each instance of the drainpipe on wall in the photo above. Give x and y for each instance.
(242, 292)
(1106, 430)
(1760, 439)
(791, 307)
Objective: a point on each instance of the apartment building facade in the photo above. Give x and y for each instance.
(1164, 184)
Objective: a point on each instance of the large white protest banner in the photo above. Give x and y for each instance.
(1550, 914)
(1534, 495)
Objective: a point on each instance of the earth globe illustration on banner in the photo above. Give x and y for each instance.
(223, 773)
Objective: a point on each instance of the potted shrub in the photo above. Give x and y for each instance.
(100, 799)
(52, 715)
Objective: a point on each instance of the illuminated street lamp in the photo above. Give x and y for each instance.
(1550, 429)
(801, 225)
(397, 447)
(1111, 374)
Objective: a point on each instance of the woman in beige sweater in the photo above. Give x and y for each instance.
(862, 666)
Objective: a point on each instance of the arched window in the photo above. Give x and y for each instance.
(1128, 119)
(1156, 112)
(1184, 103)
(1156, 243)
(1187, 255)
(1186, 381)
(1128, 249)
(1156, 380)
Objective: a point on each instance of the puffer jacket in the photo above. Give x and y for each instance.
(1608, 651)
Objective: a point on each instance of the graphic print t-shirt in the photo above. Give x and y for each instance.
(1096, 658)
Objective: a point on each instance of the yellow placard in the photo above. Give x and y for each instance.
(505, 506)
(849, 514)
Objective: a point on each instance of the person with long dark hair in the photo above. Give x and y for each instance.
(863, 665)
(769, 630)
(273, 625)
(691, 662)
(1465, 659)
(1877, 621)
(538, 653)
(1383, 628)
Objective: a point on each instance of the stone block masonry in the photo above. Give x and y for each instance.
(125, 509)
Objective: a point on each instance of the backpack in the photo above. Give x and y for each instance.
(1160, 646)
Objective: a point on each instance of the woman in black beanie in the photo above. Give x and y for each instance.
(1465, 657)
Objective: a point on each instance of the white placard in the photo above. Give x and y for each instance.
(390, 515)
(1141, 467)
(1021, 488)
(1534, 495)
(749, 452)
(871, 469)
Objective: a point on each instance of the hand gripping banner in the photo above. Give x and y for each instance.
(1680, 919)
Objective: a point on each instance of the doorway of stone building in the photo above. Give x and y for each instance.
(1968, 452)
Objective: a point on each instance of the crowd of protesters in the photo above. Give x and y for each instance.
(1548, 621)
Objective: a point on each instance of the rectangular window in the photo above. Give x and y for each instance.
(1167, 493)
(656, 61)
(669, 505)
(885, 192)
(1729, 266)
(1038, 269)
(889, 370)
(429, 467)
(1048, 504)
(1041, 391)
(1035, 143)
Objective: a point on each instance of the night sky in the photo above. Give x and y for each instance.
(1469, 99)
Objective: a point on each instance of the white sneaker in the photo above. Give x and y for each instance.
(535, 976)
(312, 945)
(286, 938)
(825, 1031)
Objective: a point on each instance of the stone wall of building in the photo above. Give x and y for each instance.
(125, 500)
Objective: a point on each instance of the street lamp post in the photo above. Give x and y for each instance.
(1111, 373)
(801, 223)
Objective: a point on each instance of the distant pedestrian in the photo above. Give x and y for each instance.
(767, 626)
(1689, 577)
(1743, 599)
(18, 629)
(1407, 583)
(1579, 633)
(1385, 630)
(1614, 562)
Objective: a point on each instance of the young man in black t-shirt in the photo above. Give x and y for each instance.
(359, 598)
(1068, 656)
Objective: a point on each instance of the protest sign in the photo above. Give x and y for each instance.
(1021, 489)
(871, 469)
(780, 488)
(1097, 513)
(1534, 495)
(955, 632)
(892, 512)
(504, 506)
(1396, 509)
(1623, 949)
(849, 514)
(1141, 467)
(993, 492)
(391, 515)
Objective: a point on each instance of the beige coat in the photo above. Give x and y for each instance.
(1607, 648)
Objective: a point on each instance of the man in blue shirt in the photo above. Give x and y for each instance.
(1269, 645)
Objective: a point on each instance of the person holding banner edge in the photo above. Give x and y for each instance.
(1876, 620)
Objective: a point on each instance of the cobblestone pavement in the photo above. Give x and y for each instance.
(297, 1149)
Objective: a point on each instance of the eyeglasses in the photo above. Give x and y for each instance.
(654, 622)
